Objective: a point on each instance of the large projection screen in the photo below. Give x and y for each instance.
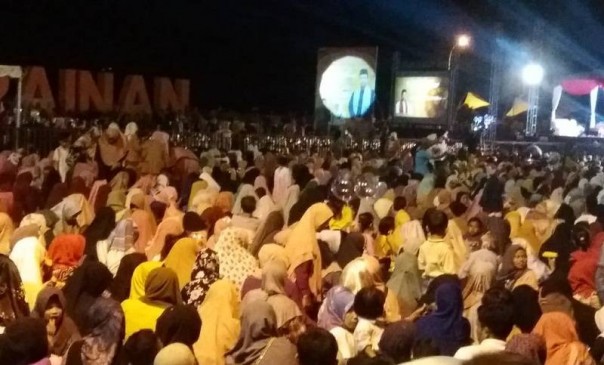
(421, 96)
(345, 86)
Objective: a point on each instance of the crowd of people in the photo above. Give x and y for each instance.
(118, 248)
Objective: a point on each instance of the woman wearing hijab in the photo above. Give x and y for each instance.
(480, 270)
(179, 324)
(205, 272)
(133, 147)
(305, 201)
(161, 292)
(514, 270)
(28, 256)
(266, 232)
(303, 251)
(104, 323)
(337, 316)
(143, 219)
(75, 214)
(65, 254)
(446, 326)
(169, 226)
(290, 321)
(219, 314)
(119, 244)
(116, 197)
(528, 345)
(269, 253)
(175, 354)
(99, 229)
(561, 340)
(581, 276)
(85, 286)
(258, 343)
(112, 149)
(225, 201)
(236, 263)
(139, 278)
(6, 231)
(405, 282)
(120, 287)
(62, 331)
(364, 272)
(12, 298)
(181, 257)
(24, 342)
(558, 247)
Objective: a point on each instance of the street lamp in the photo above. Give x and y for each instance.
(463, 41)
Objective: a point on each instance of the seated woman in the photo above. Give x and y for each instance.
(290, 320)
(161, 292)
(337, 316)
(514, 270)
(61, 330)
(259, 343)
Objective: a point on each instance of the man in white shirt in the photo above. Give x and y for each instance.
(283, 180)
(59, 158)
(497, 321)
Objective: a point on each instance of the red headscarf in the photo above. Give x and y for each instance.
(67, 250)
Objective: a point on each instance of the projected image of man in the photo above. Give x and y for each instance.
(363, 97)
(402, 106)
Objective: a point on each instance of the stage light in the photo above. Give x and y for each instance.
(532, 74)
(463, 41)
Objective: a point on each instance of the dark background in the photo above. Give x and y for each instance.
(242, 54)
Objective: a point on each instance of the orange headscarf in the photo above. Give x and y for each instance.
(66, 249)
(146, 228)
(225, 201)
(561, 340)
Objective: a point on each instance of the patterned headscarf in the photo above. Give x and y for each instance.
(205, 273)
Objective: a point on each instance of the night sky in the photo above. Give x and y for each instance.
(243, 53)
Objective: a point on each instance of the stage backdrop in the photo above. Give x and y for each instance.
(420, 96)
(345, 83)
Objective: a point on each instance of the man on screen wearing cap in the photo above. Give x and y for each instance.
(362, 98)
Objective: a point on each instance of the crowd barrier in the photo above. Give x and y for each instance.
(45, 139)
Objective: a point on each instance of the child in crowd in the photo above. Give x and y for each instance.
(369, 307)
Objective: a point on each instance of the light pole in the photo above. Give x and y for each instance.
(532, 75)
(462, 42)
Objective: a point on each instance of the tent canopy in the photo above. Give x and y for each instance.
(520, 106)
(474, 102)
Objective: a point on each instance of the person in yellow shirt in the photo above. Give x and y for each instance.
(436, 257)
(401, 216)
(389, 240)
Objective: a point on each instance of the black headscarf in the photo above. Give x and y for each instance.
(82, 289)
(12, 296)
(120, 287)
(100, 228)
(559, 242)
(179, 323)
(307, 198)
(24, 342)
(350, 248)
(526, 308)
(566, 213)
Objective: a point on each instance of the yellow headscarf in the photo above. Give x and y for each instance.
(6, 230)
(302, 246)
(219, 314)
(139, 276)
(182, 258)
